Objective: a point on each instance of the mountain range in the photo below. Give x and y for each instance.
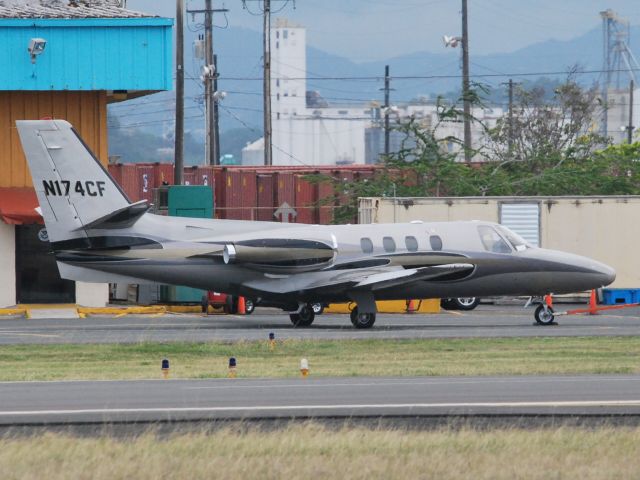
(430, 74)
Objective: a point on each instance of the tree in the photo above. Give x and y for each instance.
(545, 132)
(550, 147)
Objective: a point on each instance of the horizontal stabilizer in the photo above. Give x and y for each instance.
(121, 218)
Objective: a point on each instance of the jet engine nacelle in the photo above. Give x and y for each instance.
(279, 254)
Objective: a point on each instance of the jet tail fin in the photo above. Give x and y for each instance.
(74, 190)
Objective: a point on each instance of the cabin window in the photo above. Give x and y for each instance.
(436, 242)
(388, 244)
(366, 244)
(491, 241)
(412, 243)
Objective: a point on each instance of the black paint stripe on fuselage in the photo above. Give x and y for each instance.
(283, 243)
(107, 242)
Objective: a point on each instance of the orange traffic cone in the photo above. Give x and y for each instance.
(411, 306)
(241, 308)
(548, 299)
(593, 303)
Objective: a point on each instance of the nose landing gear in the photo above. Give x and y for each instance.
(544, 315)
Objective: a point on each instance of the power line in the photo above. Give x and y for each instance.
(432, 77)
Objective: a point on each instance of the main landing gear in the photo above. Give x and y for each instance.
(304, 317)
(362, 320)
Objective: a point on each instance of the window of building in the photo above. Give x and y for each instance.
(277, 33)
(436, 242)
(343, 112)
(277, 44)
(285, 34)
(366, 244)
(388, 244)
(411, 243)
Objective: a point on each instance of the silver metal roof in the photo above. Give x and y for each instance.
(66, 9)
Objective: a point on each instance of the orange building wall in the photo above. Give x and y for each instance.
(86, 111)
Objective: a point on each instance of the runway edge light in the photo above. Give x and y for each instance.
(272, 340)
(165, 368)
(304, 367)
(232, 367)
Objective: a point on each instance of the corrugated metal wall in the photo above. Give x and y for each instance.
(87, 54)
(87, 111)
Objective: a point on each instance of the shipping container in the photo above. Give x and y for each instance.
(251, 193)
(285, 194)
(265, 197)
(306, 200)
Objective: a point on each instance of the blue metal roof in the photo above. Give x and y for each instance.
(87, 54)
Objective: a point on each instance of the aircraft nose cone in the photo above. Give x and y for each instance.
(608, 274)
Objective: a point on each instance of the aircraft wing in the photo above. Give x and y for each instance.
(366, 279)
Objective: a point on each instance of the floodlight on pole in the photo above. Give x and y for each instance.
(451, 41)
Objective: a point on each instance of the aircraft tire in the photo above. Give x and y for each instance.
(447, 304)
(304, 318)
(318, 308)
(544, 317)
(249, 306)
(465, 303)
(362, 320)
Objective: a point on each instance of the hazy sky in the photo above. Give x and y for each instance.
(365, 30)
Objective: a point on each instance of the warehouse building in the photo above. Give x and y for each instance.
(65, 61)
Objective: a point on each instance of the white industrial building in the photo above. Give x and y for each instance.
(307, 130)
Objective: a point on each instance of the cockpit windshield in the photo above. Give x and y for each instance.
(492, 241)
(518, 243)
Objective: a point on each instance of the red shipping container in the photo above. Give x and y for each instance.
(285, 193)
(327, 200)
(189, 178)
(265, 198)
(130, 182)
(306, 201)
(233, 195)
(146, 181)
(249, 195)
(164, 174)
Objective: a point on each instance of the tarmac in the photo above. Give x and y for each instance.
(485, 321)
(162, 401)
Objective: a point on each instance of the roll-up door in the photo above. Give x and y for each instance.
(523, 219)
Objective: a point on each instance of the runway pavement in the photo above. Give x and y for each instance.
(485, 321)
(41, 403)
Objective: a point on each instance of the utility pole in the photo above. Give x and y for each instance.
(510, 116)
(212, 157)
(178, 165)
(267, 82)
(210, 79)
(630, 127)
(216, 117)
(465, 85)
(386, 111)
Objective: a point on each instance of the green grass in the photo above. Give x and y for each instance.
(511, 356)
(310, 451)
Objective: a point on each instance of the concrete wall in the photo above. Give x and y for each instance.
(602, 228)
(7, 265)
(92, 294)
